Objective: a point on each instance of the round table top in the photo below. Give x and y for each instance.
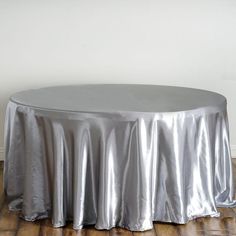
(119, 97)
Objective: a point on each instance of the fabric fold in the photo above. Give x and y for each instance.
(125, 169)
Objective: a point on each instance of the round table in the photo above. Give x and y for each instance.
(117, 155)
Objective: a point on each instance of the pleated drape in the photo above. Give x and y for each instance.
(123, 169)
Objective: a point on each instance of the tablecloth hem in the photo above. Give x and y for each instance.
(47, 215)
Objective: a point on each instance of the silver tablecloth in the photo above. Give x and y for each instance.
(117, 155)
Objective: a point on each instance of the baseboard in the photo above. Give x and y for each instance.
(1, 153)
(233, 152)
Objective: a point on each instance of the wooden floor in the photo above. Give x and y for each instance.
(11, 225)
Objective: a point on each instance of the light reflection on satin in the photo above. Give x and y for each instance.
(123, 169)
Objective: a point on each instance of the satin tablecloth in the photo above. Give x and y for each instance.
(117, 155)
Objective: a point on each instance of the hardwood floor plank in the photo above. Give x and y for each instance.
(228, 217)
(226, 213)
(120, 232)
(193, 227)
(166, 229)
(214, 226)
(95, 232)
(28, 228)
(7, 233)
(8, 220)
(47, 229)
(71, 232)
(151, 232)
(230, 225)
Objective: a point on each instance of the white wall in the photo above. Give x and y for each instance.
(186, 43)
